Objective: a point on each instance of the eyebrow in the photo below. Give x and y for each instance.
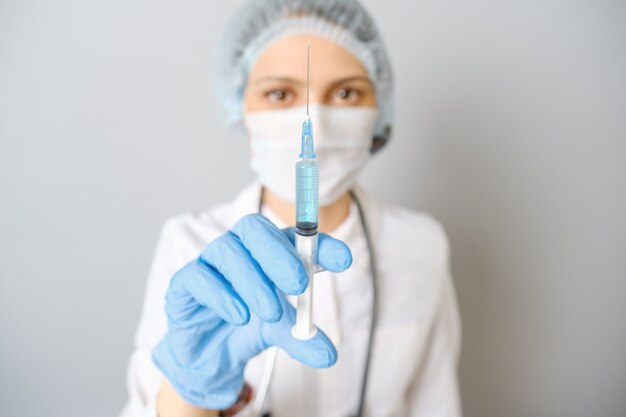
(294, 81)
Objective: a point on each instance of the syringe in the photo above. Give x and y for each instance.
(307, 195)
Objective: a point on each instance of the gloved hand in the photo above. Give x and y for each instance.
(229, 304)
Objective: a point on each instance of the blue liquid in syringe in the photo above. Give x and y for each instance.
(307, 184)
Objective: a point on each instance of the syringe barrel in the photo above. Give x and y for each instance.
(307, 196)
(307, 249)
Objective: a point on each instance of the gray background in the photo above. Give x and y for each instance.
(510, 129)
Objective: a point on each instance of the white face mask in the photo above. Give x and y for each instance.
(342, 138)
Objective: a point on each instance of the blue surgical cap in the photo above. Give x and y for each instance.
(258, 23)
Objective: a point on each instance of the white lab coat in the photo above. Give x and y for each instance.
(417, 340)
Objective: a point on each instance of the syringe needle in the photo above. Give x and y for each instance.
(308, 47)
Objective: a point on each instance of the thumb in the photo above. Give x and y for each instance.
(317, 352)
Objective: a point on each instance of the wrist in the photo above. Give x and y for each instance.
(171, 404)
(245, 395)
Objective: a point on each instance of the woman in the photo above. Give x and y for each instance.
(223, 281)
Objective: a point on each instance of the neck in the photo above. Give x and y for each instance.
(330, 217)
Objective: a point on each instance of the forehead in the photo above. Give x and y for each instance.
(286, 57)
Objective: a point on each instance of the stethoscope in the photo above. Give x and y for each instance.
(271, 358)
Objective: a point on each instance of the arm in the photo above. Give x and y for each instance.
(150, 394)
(144, 380)
(435, 390)
(170, 404)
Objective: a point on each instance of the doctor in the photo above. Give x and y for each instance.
(214, 337)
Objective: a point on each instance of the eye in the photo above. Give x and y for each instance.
(347, 95)
(279, 96)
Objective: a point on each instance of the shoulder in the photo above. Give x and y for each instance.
(398, 218)
(195, 229)
(414, 232)
(191, 231)
(413, 259)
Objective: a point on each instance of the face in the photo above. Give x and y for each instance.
(278, 78)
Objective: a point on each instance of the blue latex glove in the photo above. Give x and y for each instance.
(229, 304)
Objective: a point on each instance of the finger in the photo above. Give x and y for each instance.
(332, 254)
(198, 303)
(274, 253)
(231, 259)
(317, 352)
(197, 285)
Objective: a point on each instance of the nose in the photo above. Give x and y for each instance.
(315, 97)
